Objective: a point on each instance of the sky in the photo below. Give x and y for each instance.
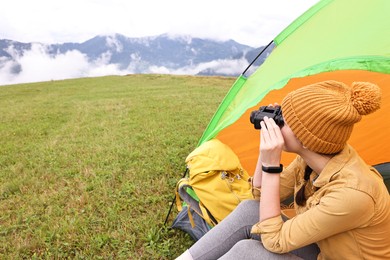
(251, 22)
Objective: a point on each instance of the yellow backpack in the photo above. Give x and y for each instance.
(216, 184)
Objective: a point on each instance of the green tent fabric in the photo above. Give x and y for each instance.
(335, 39)
(332, 35)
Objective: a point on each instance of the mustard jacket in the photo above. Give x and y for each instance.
(347, 212)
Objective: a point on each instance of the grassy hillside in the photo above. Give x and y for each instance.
(88, 166)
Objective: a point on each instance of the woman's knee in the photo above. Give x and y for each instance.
(244, 249)
(251, 249)
(248, 207)
(246, 245)
(247, 213)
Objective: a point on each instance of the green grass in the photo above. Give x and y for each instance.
(88, 166)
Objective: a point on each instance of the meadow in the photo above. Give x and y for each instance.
(88, 166)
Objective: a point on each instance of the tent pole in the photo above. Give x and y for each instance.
(261, 52)
(174, 198)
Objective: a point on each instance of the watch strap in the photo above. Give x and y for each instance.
(272, 169)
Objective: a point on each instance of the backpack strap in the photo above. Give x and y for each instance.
(185, 194)
(206, 215)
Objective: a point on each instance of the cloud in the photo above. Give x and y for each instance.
(113, 42)
(251, 22)
(223, 67)
(38, 65)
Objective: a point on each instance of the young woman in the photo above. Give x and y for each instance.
(342, 205)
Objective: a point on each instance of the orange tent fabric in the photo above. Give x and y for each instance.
(367, 137)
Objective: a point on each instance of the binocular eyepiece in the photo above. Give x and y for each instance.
(271, 112)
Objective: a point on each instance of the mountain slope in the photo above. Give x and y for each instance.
(118, 54)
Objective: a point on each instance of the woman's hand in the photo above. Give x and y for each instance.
(271, 143)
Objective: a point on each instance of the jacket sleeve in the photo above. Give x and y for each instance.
(287, 179)
(256, 192)
(339, 211)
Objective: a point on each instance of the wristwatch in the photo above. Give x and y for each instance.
(272, 169)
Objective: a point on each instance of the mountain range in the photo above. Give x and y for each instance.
(180, 54)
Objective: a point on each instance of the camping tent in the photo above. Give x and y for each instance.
(332, 40)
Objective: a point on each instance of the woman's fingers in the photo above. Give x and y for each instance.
(276, 130)
(271, 140)
(273, 105)
(271, 129)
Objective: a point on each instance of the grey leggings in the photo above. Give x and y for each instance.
(232, 239)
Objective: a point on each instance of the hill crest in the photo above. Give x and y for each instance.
(117, 54)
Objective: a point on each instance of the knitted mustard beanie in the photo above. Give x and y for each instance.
(322, 115)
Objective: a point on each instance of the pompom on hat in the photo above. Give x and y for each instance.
(322, 115)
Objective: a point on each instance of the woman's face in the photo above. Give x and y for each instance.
(291, 142)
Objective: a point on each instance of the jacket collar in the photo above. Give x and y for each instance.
(334, 165)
